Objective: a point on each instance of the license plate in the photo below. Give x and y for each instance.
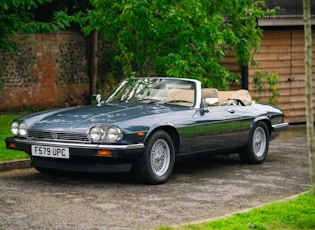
(47, 151)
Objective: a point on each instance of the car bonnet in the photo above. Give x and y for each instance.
(79, 119)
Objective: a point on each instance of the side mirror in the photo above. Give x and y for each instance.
(97, 99)
(206, 102)
(204, 107)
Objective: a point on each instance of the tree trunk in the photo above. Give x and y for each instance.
(308, 90)
(91, 42)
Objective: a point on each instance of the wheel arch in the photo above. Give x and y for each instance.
(264, 119)
(172, 132)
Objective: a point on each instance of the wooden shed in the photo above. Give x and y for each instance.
(282, 53)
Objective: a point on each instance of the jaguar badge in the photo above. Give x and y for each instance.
(54, 135)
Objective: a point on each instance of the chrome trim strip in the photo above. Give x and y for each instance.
(83, 146)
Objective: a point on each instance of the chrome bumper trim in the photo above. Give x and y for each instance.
(80, 145)
(280, 127)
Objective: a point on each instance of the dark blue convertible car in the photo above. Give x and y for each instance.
(148, 124)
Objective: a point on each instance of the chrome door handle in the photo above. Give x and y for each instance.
(231, 110)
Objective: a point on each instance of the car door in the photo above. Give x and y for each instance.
(216, 129)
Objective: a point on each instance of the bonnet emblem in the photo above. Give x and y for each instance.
(54, 135)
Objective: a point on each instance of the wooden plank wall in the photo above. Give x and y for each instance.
(282, 52)
(230, 62)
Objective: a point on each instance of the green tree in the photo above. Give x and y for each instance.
(66, 9)
(92, 22)
(17, 16)
(177, 38)
(308, 90)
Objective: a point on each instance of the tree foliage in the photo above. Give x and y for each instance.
(177, 38)
(17, 16)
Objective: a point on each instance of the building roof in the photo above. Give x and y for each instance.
(289, 8)
(289, 14)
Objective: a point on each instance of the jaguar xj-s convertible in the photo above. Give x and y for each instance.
(146, 125)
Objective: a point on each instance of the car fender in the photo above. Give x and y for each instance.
(261, 118)
(169, 128)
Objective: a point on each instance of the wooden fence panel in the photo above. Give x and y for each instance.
(282, 52)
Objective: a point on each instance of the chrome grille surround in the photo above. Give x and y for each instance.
(58, 136)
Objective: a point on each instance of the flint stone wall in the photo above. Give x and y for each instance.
(46, 69)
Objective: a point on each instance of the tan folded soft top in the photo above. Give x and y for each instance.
(225, 97)
(228, 97)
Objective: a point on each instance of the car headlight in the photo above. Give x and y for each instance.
(22, 129)
(15, 128)
(114, 134)
(105, 134)
(19, 128)
(96, 133)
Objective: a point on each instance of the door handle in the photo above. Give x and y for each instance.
(231, 110)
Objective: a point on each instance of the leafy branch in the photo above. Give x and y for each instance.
(272, 80)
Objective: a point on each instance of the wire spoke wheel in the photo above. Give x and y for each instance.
(256, 150)
(259, 141)
(157, 163)
(160, 157)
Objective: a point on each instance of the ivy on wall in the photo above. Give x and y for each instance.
(272, 80)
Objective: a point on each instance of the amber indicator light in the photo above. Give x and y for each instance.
(12, 145)
(106, 153)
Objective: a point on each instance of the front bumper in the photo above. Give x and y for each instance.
(280, 127)
(82, 157)
(277, 128)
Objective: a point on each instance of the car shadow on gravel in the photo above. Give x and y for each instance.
(195, 168)
(209, 163)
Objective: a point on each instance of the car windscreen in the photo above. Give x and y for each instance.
(157, 90)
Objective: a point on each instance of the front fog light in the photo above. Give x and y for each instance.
(15, 128)
(22, 129)
(114, 134)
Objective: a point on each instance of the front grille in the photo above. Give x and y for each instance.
(57, 136)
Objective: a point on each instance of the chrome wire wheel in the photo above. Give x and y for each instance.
(256, 149)
(160, 157)
(157, 162)
(259, 141)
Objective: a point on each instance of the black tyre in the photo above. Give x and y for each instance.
(157, 163)
(256, 150)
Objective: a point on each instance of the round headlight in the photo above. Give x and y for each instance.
(113, 134)
(15, 128)
(96, 133)
(22, 129)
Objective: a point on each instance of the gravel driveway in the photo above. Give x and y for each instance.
(197, 190)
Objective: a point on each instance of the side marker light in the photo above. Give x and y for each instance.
(105, 153)
(12, 145)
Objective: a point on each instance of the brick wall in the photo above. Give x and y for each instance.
(46, 69)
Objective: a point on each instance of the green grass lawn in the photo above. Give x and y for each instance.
(5, 154)
(298, 213)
